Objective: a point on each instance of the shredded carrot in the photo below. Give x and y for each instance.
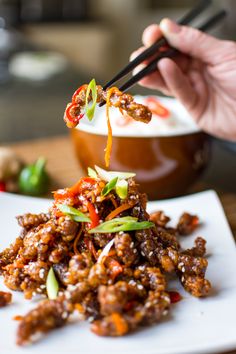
(118, 210)
(114, 202)
(17, 318)
(79, 308)
(109, 129)
(77, 239)
(120, 323)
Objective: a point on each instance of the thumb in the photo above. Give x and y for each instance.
(191, 41)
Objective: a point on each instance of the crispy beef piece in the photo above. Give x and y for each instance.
(9, 254)
(27, 221)
(187, 224)
(159, 218)
(98, 275)
(67, 228)
(125, 249)
(60, 270)
(199, 248)
(79, 268)
(118, 99)
(114, 298)
(48, 315)
(168, 239)
(101, 240)
(124, 305)
(196, 285)
(5, 298)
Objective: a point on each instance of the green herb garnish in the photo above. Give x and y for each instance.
(74, 213)
(122, 188)
(90, 108)
(126, 223)
(92, 173)
(109, 186)
(52, 285)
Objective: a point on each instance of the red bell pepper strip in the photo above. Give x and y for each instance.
(157, 108)
(93, 215)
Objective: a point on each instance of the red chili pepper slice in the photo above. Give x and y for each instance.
(76, 93)
(82, 184)
(93, 215)
(157, 108)
(3, 187)
(73, 120)
(174, 296)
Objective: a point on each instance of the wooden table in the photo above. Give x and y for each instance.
(65, 170)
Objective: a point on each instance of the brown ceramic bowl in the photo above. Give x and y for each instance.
(165, 166)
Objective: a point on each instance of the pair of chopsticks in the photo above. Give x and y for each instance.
(169, 52)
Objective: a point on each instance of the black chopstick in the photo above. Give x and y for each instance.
(152, 67)
(152, 50)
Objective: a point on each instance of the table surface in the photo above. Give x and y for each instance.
(65, 170)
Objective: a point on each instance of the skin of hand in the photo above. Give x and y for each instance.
(202, 76)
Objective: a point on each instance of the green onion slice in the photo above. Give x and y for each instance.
(109, 186)
(109, 175)
(52, 285)
(92, 173)
(90, 108)
(74, 213)
(122, 188)
(126, 223)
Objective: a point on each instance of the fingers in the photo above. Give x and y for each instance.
(153, 81)
(177, 83)
(151, 34)
(191, 41)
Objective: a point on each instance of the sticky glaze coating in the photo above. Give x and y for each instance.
(117, 293)
(124, 101)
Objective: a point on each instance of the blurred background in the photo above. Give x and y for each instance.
(50, 47)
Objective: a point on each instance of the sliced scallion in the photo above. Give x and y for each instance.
(52, 285)
(109, 186)
(122, 188)
(92, 173)
(126, 223)
(109, 175)
(90, 108)
(74, 213)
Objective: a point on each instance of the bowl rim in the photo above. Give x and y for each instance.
(177, 134)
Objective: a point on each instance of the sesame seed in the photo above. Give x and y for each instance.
(64, 315)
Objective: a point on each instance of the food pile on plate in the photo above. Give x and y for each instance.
(97, 253)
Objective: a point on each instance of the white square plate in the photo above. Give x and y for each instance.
(193, 326)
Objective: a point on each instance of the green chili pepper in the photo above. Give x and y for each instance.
(74, 213)
(52, 285)
(34, 179)
(126, 223)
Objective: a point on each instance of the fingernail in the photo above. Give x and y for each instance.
(169, 26)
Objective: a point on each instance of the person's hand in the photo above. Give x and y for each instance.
(202, 77)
